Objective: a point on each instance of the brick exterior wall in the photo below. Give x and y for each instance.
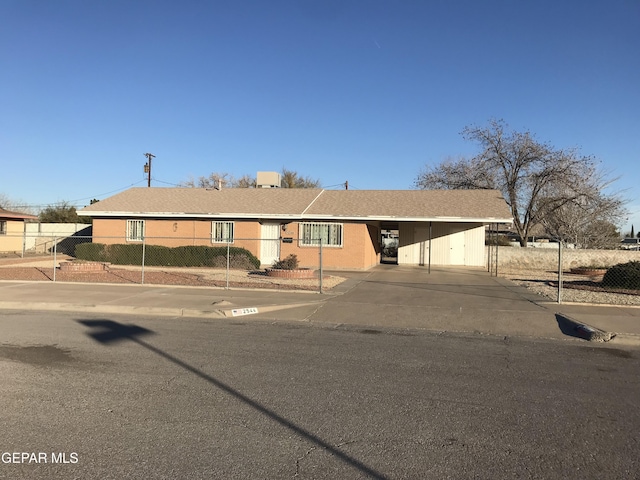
(360, 249)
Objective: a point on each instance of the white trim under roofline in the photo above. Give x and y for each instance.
(294, 217)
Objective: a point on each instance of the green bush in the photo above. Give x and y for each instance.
(623, 275)
(157, 255)
(94, 252)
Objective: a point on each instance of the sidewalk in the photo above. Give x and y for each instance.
(396, 298)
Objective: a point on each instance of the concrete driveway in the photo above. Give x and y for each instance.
(447, 299)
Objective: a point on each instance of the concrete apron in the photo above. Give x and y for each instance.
(447, 299)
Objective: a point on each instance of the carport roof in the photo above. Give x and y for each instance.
(305, 204)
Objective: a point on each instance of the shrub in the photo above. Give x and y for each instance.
(94, 252)
(503, 241)
(289, 263)
(623, 275)
(158, 255)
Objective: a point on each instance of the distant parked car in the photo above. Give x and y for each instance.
(630, 244)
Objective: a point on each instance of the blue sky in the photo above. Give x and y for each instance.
(364, 91)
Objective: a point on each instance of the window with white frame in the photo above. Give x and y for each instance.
(3, 227)
(221, 232)
(311, 234)
(135, 230)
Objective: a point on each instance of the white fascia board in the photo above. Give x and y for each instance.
(294, 217)
(187, 215)
(408, 219)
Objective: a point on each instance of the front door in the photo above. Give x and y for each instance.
(269, 243)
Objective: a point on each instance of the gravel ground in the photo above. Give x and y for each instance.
(577, 288)
(33, 269)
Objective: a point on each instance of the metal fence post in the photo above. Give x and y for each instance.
(497, 249)
(228, 262)
(55, 255)
(559, 271)
(144, 242)
(320, 265)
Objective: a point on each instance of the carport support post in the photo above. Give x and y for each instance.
(55, 254)
(320, 283)
(489, 251)
(429, 267)
(559, 271)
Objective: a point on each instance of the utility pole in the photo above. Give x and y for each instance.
(147, 167)
(346, 185)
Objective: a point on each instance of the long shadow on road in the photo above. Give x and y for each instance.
(108, 331)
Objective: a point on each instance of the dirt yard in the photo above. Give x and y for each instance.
(41, 269)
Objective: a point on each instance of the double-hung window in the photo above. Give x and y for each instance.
(3, 227)
(221, 232)
(312, 234)
(135, 230)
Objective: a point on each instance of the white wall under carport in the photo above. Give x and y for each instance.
(452, 243)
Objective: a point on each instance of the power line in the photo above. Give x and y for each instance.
(74, 203)
(166, 183)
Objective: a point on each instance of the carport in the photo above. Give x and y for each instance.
(444, 243)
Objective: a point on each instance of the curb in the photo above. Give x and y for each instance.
(132, 310)
(128, 310)
(585, 331)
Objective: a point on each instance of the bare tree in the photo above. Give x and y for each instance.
(535, 178)
(290, 179)
(590, 219)
(14, 205)
(212, 181)
(245, 181)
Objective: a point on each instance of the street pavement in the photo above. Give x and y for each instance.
(109, 396)
(388, 297)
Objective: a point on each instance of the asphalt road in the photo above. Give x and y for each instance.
(139, 397)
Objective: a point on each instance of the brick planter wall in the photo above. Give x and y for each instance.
(292, 274)
(83, 266)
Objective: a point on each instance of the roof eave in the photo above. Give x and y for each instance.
(291, 217)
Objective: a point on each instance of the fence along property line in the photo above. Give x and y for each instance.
(573, 275)
(548, 272)
(153, 253)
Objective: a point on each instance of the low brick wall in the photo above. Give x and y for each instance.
(547, 259)
(301, 273)
(83, 266)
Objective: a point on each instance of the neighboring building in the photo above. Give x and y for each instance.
(630, 244)
(12, 228)
(274, 222)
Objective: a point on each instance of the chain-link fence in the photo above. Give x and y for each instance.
(239, 263)
(556, 273)
(568, 275)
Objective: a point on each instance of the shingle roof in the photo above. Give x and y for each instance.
(16, 215)
(468, 205)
